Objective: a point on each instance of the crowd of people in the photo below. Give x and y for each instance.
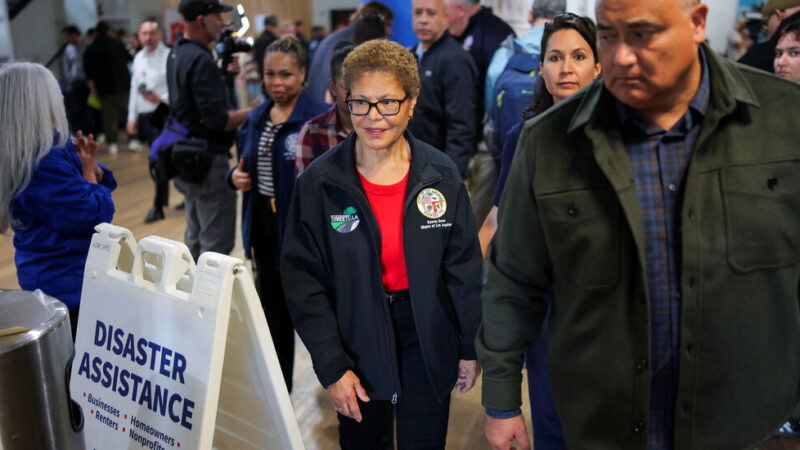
(611, 205)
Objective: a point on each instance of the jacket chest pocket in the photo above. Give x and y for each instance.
(582, 229)
(762, 215)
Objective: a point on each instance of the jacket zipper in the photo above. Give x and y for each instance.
(417, 188)
(393, 370)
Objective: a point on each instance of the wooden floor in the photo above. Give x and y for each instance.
(315, 416)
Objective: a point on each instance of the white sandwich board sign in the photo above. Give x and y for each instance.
(173, 355)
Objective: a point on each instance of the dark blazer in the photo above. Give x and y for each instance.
(105, 62)
(284, 148)
(446, 110)
(331, 271)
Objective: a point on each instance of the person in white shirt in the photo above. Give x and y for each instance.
(148, 90)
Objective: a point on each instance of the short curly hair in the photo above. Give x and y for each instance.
(381, 55)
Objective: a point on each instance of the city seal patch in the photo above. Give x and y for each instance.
(431, 203)
(345, 222)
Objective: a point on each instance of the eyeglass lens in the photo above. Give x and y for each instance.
(386, 107)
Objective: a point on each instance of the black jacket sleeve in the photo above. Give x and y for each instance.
(462, 274)
(208, 88)
(459, 83)
(308, 287)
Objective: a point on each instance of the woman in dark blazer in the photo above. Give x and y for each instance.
(265, 174)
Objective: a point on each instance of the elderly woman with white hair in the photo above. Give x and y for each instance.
(53, 192)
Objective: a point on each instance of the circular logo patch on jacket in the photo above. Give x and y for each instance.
(431, 203)
(345, 222)
(290, 147)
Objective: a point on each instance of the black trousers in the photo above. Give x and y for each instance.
(147, 132)
(75, 101)
(421, 418)
(264, 244)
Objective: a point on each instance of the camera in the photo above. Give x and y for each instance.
(228, 45)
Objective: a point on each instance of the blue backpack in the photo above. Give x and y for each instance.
(513, 92)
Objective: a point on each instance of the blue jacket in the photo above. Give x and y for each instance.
(53, 221)
(284, 150)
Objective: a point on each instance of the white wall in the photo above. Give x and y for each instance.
(6, 48)
(515, 12)
(81, 13)
(129, 14)
(721, 18)
(581, 7)
(36, 32)
(320, 10)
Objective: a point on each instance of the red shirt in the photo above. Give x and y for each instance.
(387, 205)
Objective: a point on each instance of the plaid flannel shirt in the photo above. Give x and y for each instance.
(659, 159)
(317, 136)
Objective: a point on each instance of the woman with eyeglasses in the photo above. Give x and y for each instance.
(265, 174)
(381, 264)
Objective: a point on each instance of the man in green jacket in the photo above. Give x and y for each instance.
(659, 212)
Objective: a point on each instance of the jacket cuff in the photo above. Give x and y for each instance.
(229, 178)
(502, 395)
(108, 178)
(329, 371)
(500, 414)
(468, 350)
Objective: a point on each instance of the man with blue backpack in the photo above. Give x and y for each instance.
(511, 76)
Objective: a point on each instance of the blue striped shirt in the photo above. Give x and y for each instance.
(659, 159)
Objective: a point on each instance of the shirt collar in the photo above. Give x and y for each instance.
(698, 107)
(420, 52)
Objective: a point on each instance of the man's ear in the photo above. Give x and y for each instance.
(698, 16)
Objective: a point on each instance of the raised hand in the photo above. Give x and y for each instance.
(87, 152)
(240, 178)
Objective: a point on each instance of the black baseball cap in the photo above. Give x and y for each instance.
(190, 9)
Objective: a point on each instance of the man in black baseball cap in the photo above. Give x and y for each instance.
(202, 101)
(190, 9)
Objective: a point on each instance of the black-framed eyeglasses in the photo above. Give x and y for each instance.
(386, 106)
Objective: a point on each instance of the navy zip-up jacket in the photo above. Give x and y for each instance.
(331, 271)
(284, 149)
(446, 110)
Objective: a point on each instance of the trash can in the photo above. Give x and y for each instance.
(35, 357)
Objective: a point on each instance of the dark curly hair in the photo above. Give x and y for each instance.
(792, 26)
